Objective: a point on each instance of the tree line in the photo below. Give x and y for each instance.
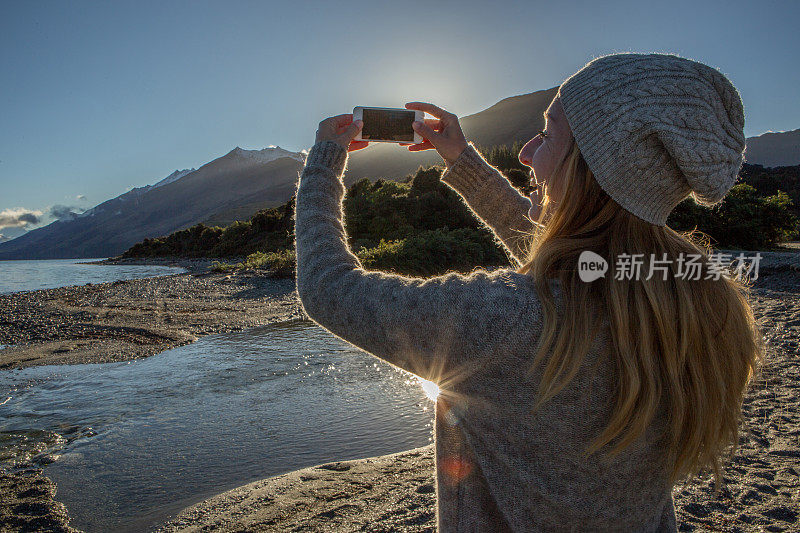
(418, 226)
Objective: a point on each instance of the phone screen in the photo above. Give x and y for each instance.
(390, 125)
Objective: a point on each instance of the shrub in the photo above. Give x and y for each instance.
(742, 220)
(433, 252)
(218, 266)
(280, 264)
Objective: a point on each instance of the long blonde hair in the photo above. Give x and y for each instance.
(692, 343)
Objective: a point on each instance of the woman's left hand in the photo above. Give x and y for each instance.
(342, 130)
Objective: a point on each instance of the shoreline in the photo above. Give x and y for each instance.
(130, 319)
(192, 265)
(396, 490)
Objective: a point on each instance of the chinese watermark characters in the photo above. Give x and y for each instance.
(592, 266)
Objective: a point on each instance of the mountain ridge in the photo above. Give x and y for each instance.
(113, 226)
(241, 182)
(774, 149)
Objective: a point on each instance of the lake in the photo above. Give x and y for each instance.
(51, 273)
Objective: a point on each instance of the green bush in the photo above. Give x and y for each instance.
(282, 263)
(255, 261)
(769, 181)
(742, 220)
(435, 252)
(279, 264)
(268, 230)
(221, 267)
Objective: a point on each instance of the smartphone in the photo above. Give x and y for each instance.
(388, 124)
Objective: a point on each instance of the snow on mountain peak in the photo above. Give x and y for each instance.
(175, 176)
(268, 154)
(135, 192)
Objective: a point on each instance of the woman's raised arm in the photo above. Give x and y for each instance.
(488, 193)
(493, 199)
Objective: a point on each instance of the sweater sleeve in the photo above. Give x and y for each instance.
(425, 326)
(494, 200)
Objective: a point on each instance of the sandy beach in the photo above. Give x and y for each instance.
(123, 320)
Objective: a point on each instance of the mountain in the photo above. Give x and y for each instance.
(263, 178)
(781, 149)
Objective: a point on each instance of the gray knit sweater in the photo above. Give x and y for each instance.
(498, 468)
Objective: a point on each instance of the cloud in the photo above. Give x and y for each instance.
(25, 219)
(64, 211)
(19, 217)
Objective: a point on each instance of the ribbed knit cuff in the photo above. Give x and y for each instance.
(328, 154)
(469, 172)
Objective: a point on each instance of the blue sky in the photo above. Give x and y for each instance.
(98, 97)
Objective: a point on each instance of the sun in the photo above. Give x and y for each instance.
(431, 389)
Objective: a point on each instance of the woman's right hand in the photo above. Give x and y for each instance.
(442, 133)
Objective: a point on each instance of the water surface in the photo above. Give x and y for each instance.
(51, 273)
(137, 441)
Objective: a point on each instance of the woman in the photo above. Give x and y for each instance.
(564, 405)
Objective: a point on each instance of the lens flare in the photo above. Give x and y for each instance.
(431, 389)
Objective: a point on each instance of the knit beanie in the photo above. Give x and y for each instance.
(656, 128)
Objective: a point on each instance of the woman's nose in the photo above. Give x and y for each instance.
(526, 154)
(523, 158)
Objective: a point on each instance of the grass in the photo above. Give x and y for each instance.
(279, 264)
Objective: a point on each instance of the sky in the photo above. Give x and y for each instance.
(100, 97)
